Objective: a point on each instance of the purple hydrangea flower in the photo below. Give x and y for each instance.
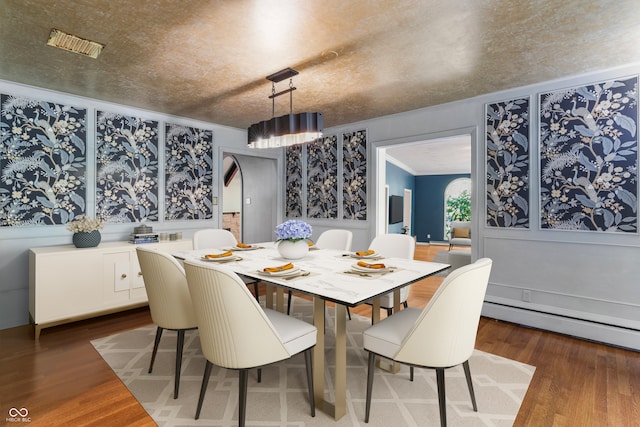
(293, 229)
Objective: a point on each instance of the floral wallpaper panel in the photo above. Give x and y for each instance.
(188, 173)
(322, 178)
(354, 175)
(43, 162)
(589, 157)
(294, 181)
(126, 168)
(507, 139)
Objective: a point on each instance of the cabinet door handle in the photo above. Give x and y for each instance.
(124, 276)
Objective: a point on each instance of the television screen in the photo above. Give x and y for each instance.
(396, 205)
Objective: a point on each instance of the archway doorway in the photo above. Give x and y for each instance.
(232, 197)
(250, 201)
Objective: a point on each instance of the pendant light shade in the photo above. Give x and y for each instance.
(285, 130)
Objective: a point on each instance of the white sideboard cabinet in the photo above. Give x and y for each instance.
(68, 283)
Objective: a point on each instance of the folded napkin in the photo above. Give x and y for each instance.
(222, 255)
(367, 265)
(365, 253)
(310, 243)
(288, 266)
(242, 245)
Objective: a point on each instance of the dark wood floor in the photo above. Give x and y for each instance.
(62, 380)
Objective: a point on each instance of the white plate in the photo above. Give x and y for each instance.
(288, 272)
(236, 248)
(221, 259)
(357, 267)
(373, 255)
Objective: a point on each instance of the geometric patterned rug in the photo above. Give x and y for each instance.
(281, 398)
(442, 257)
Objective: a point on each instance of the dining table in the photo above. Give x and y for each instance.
(324, 275)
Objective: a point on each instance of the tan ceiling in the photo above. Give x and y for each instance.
(207, 60)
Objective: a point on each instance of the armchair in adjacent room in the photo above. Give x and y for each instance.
(460, 234)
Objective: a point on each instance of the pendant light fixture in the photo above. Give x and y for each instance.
(285, 130)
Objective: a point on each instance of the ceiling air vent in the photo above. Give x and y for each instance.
(74, 44)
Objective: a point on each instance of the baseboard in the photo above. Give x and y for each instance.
(579, 328)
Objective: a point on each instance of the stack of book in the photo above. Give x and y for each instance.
(138, 238)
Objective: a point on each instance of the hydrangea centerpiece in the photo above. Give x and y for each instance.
(84, 224)
(293, 230)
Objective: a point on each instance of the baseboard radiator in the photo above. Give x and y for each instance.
(602, 332)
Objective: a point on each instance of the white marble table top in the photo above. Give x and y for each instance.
(328, 278)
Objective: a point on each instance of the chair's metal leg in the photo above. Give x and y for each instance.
(410, 373)
(405, 304)
(467, 374)
(155, 347)
(179, 347)
(441, 396)
(308, 361)
(242, 396)
(259, 375)
(349, 313)
(289, 303)
(389, 311)
(372, 362)
(203, 388)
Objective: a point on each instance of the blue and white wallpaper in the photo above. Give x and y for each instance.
(354, 175)
(507, 139)
(126, 168)
(188, 173)
(43, 162)
(589, 157)
(293, 158)
(322, 178)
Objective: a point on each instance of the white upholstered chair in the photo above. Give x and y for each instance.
(460, 234)
(396, 246)
(169, 301)
(440, 336)
(219, 238)
(335, 239)
(331, 239)
(213, 238)
(236, 333)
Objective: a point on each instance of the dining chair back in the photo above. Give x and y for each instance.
(335, 239)
(213, 238)
(440, 336)
(236, 333)
(219, 238)
(169, 301)
(395, 246)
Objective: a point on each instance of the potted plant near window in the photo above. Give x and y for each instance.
(86, 231)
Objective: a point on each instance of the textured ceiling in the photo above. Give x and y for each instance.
(357, 60)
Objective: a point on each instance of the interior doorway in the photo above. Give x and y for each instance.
(438, 154)
(250, 200)
(407, 212)
(232, 197)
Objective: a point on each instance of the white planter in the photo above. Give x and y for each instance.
(293, 250)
